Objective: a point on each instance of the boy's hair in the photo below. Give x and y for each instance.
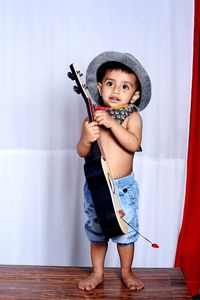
(113, 65)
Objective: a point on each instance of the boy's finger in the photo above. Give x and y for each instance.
(94, 123)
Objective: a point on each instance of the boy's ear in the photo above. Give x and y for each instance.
(135, 96)
(99, 86)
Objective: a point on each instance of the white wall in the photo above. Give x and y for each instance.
(41, 177)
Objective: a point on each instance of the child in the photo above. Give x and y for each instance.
(115, 80)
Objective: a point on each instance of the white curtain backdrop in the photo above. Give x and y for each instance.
(41, 175)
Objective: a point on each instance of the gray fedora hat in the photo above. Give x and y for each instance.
(126, 59)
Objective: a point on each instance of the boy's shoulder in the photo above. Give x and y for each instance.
(134, 119)
(135, 116)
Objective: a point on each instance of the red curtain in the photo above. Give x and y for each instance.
(188, 249)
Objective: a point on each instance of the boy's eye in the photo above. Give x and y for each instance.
(109, 83)
(125, 87)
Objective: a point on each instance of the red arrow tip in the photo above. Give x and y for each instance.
(155, 245)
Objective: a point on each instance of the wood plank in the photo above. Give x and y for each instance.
(46, 282)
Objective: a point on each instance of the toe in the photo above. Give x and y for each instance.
(132, 286)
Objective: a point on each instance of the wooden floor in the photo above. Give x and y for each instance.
(41, 282)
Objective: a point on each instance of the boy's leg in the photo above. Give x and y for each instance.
(98, 253)
(126, 254)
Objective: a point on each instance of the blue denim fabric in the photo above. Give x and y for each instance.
(128, 193)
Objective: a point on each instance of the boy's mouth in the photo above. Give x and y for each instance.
(114, 99)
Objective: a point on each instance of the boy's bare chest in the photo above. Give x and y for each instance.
(120, 160)
(106, 138)
(108, 141)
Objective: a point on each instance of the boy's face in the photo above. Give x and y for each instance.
(118, 88)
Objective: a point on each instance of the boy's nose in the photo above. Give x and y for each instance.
(116, 90)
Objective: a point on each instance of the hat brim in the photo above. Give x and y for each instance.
(126, 59)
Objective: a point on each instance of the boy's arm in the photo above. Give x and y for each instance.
(90, 133)
(129, 137)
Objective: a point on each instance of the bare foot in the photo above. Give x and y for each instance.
(131, 281)
(91, 282)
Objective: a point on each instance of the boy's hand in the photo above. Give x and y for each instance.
(103, 118)
(91, 131)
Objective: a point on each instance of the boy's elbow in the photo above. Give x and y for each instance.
(81, 151)
(135, 149)
(82, 154)
(135, 146)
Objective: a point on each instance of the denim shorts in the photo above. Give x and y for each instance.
(128, 193)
